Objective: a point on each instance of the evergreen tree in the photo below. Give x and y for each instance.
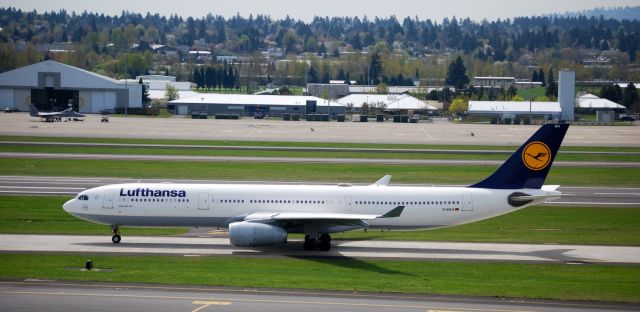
(375, 69)
(145, 93)
(630, 96)
(312, 75)
(541, 77)
(552, 88)
(457, 75)
(534, 76)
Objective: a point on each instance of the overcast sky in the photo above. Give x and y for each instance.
(305, 10)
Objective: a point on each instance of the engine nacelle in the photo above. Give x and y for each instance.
(253, 234)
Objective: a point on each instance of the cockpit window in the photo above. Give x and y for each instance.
(83, 197)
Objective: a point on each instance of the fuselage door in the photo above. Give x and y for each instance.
(347, 204)
(203, 201)
(467, 201)
(107, 201)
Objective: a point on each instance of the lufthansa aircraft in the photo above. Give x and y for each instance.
(263, 215)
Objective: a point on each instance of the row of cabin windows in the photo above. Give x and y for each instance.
(273, 201)
(160, 200)
(408, 203)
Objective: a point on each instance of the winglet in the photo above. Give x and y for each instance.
(393, 213)
(384, 181)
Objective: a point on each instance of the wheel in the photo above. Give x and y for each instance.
(309, 243)
(324, 242)
(116, 238)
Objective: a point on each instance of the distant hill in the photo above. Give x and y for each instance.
(619, 13)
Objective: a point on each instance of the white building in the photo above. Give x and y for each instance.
(250, 105)
(53, 86)
(590, 101)
(389, 102)
(508, 109)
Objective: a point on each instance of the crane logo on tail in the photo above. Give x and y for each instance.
(536, 155)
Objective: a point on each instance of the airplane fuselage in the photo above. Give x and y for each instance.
(218, 205)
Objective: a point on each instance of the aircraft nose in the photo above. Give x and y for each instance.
(68, 206)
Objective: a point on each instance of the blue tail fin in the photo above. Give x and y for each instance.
(529, 165)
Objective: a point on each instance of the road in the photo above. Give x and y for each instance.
(317, 160)
(219, 246)
(108, 297)
(26, 185)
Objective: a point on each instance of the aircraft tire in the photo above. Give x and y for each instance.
(116, 239)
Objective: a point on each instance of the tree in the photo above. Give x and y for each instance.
(375, 69)
(541, 77)
(630, 95)
(145, 93)
(382, 88)
(459, 106)
(457, 75)
(552, 88)
(171, 93)
(512, 91)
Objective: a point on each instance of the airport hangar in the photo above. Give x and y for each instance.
(53, 86)
(252, 105)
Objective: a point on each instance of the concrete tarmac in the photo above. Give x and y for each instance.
(28, 185)
(32, 295)
(447, 133)
(219, 246)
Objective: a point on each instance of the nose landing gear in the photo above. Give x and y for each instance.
(116, 236)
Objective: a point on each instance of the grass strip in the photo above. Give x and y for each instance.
(361, 173)
(532, 225)
(315, 154)
(44, 215)
(539, 281)
(537, 224)
(293, 144)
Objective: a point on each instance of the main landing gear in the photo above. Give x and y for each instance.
(116, 237)
(322, 242)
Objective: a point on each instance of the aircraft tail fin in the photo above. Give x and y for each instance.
(33, 111)
(529, 165)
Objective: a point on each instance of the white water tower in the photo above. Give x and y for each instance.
(566, 94)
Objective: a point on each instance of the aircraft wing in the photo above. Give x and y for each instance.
(325, 220)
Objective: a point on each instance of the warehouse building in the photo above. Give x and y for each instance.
(508, 111)
(53, 86)
(392, 103)
(253, 105)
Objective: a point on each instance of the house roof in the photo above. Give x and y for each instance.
(592, 101)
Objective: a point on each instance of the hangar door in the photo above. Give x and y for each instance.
(101, 100)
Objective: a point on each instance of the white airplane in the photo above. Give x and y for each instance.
(54, 116)
(263, 215)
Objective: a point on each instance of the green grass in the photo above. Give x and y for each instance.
(44, 215)
(538, 224)
(293, 144)
(303, 154)
(365, 173)
(531, 93)
(539, 281)
(533, 225)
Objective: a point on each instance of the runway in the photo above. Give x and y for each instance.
(219, 246)
(108, 297)
(316, 160)
(27, 185)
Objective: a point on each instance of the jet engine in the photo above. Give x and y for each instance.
(253, 234)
